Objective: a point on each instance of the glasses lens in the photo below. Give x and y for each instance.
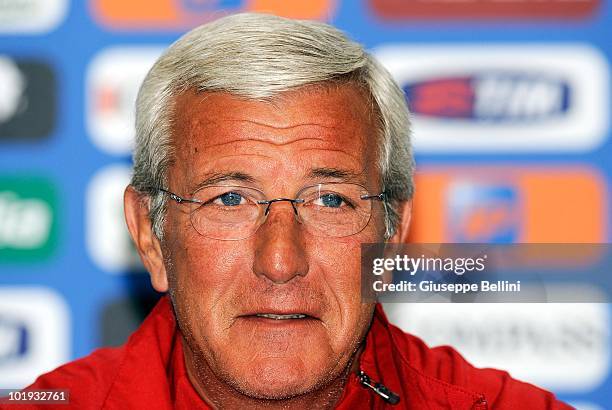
(226, 212)
(335, 210)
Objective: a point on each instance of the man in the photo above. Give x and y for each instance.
(268, 150)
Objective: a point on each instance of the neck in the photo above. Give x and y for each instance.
(220, 395)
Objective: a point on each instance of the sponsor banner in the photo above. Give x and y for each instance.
(28, 219)
(562, 347)
(510, 204)
(489, 9)
(28, 102)
(503, 98)
(113, 79)
(183, 14)
(31, 16)
(108, 241)
(34, 334)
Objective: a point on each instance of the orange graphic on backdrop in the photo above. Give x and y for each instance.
(554, 204)
(170, 14)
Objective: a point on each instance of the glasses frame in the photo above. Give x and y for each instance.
(382, 196)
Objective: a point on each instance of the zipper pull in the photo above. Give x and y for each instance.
(378, 388)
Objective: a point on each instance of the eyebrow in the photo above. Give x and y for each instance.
(214, 178)
(333, 173)
(218, 177)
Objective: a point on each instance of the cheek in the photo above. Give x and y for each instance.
(338, 268)
(207, 276)
(339, 260)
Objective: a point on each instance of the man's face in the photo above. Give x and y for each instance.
(219, 286)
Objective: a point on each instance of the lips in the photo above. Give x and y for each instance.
(281, 317)
(281, 307)
(286, 314)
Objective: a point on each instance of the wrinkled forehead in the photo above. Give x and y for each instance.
(285, 109)
(328, 126)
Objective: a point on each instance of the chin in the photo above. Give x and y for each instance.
(278, 378)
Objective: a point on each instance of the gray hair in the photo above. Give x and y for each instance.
(259, 56)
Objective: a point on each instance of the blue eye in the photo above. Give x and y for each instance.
(231, 199)
(331, 200)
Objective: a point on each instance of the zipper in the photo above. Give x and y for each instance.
(378, 388)
(481, 404)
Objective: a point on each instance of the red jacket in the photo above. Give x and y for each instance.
(148, 372)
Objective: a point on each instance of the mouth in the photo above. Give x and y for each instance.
(274, 316)
(291, 322)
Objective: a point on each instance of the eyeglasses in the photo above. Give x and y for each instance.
(227, 212)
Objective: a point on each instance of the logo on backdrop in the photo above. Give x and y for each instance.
(509, 204)
(28, 102)
(182, 14)
(482, 212)
(14, 340)
(470, 9)
(34, 334)
(28, 218)
(113, 79)
(562, 347)
(503, 98)
(31, 16)
(495, 97)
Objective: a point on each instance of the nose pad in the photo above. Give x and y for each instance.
(295, 212)
(291, 201)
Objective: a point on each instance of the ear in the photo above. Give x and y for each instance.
(403, 228)
(136, 208)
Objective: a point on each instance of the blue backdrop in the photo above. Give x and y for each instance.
(511, 104)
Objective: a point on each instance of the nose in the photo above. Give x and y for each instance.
(280, 255)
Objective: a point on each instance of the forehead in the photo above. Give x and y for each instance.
(324, 126)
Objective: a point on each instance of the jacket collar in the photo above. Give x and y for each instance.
(390, 358)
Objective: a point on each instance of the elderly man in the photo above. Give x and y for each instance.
(268, 150)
